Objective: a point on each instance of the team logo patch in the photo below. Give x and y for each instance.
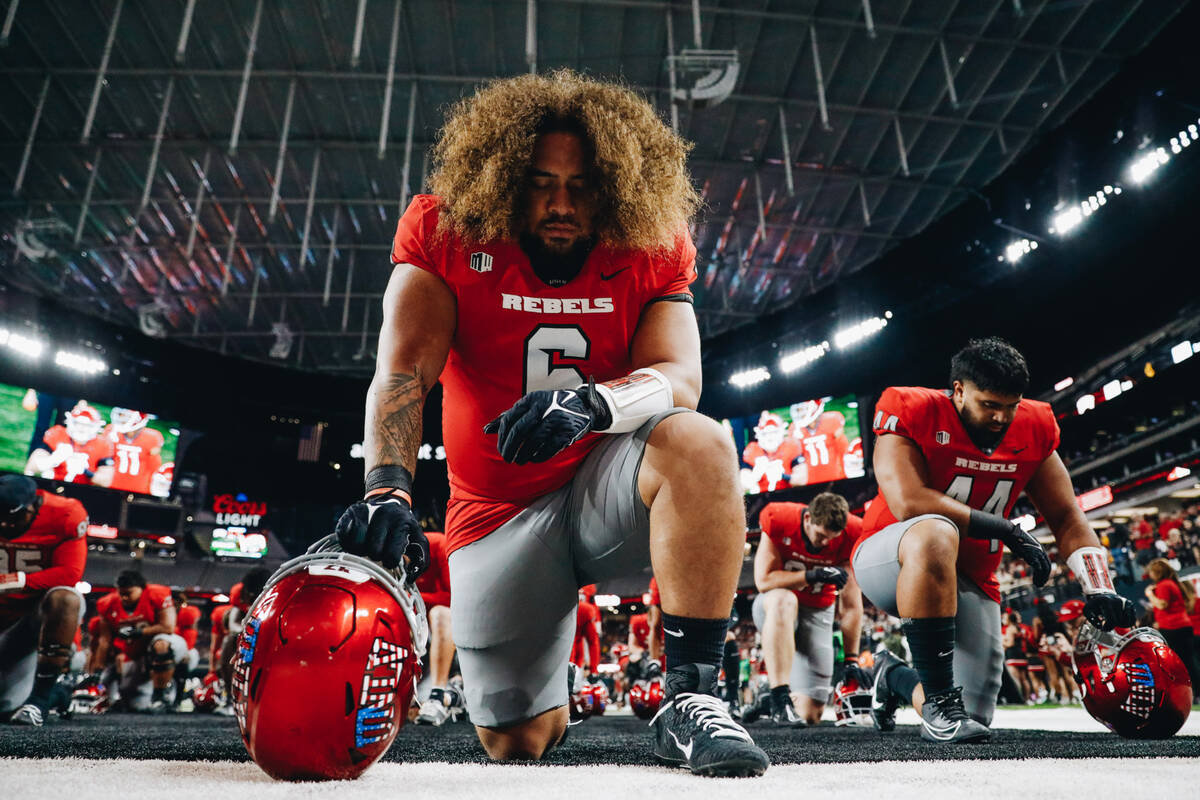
(481, 262)
(942, 437)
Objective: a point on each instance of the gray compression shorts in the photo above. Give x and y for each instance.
(18, 653)
(812, 663)
(978, 648)
(516, 590)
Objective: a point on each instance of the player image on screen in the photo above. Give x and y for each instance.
(137, 450)
(822, 438)
(75, 451)
(768, 460)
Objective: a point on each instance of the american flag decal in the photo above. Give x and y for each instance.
(310, 442)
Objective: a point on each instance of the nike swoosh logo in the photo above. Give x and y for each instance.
(1018, 449)
(947, 653)
(678, 634)
(942, 733)
(685, 749)
(612, 275)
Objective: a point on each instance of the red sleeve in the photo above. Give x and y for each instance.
(854, 526)
(684, 269)
(1167, 590)
(592, 631)
(70, 556)
(894, 413)
(780, 519)
(414, 233)
(55, 436)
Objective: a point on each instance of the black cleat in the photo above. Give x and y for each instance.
(693, 728)
(945, 720)
(783, 713)
(883, 700)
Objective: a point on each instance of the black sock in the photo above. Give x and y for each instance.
(780, 694)
(931, 641)
(731, 662)
(42, 684)
(157, 694)
(693, 641)
(902, 680)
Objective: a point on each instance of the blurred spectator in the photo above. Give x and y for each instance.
(1173, 600)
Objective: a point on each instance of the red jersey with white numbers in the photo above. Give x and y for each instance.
(155, 597)
(772, 470)
(514, 334)
(783, 524)
(986, 482)
(823, 448)
(51, 553)
(135, 459)
(83, 459)
(434, 583)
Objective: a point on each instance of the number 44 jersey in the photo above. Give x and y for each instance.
(988, 482)
(515, 334)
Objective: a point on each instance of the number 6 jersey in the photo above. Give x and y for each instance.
(957, 467)
(515, 334)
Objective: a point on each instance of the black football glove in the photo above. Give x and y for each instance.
(831, 575)
(542, 424)
(384, 528)
(1020, 543)
(856, 673)
(1106, 611)
(130, 633)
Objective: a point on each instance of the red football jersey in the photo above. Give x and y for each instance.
(775, 468)
(219, 627)
(824, 447)
(640, 625)
(155, 597)
(986, 482)
(587, 631)
(135, 459)
(185, 624)
(782, 523)
(51, 553)
(514, 334)
(434, 583)
(85, 458)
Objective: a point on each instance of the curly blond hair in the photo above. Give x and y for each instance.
(642, 192)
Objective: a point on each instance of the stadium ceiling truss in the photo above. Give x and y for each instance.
(230, 172)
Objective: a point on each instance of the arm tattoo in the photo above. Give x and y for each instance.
(394, 413)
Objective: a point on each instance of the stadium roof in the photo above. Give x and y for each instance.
(229, 173)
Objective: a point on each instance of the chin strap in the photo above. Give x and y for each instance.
(633, 399)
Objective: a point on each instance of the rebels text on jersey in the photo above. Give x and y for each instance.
(85, 458)
(51, 553)
(155, 597)
(986, 482)
(783, 524)
(135, 459)
(514, 334)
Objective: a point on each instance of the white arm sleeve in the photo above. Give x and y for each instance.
(636, 398)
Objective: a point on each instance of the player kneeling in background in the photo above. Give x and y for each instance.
(139, 621)
(801, 570)
(950, 466)
(42, 555)
(444, 702)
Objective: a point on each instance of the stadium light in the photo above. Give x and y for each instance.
(1026, 522)
(1085, 403)
(1181, 352)
(1147, 164)
(750, 377)
(79, 362)
(22, 345)
(859, 331)
(1016, 250)
(607, 600)
(1063, 384)
(1111, 389)
(794, 361)
(1065, 221)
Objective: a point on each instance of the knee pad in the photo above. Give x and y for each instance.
(161, 662)
(55, 650)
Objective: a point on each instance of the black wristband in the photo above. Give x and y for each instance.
(389, 476)
(848, 658)
(988, 526)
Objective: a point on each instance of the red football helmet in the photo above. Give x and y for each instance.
(83, 423)
(90, 696)
(160, 481)
(852, 462)
(805, 414)
(852, 703)
(126, 420)
(208, 695)
(342, 623)
(1133, 683)
(645, 697)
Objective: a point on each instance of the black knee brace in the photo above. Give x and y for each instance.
(161, 662)
(55, 650)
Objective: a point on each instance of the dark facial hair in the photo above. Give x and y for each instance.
(984, 438)
(556, 269)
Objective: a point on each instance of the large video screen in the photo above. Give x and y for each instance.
(815, 441)
(75, 440)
